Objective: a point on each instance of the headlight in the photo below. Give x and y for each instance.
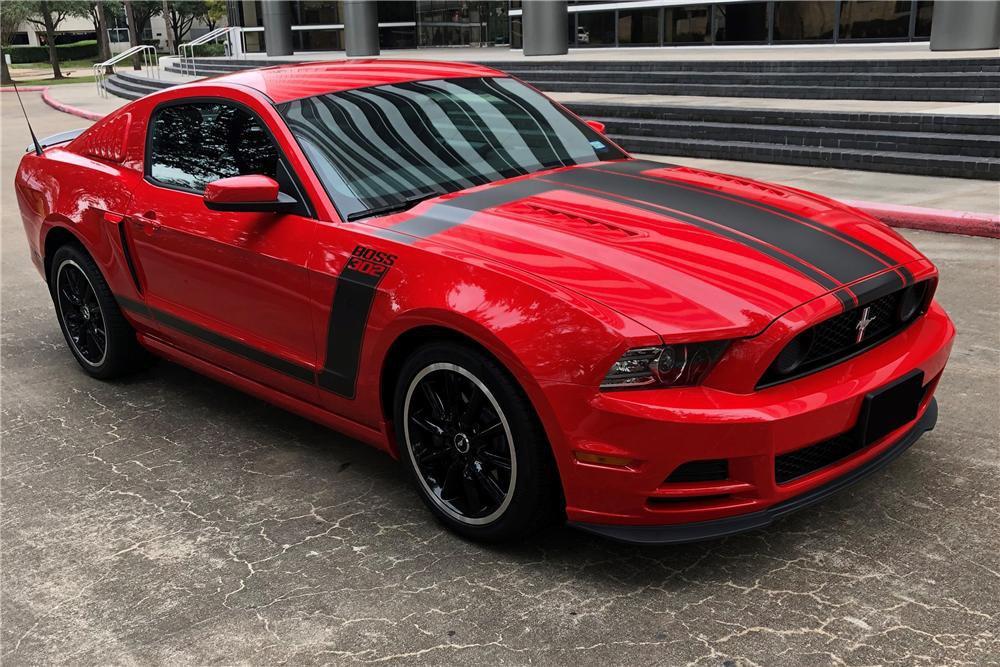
(681, 365)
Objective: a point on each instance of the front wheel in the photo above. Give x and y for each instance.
(473, 445)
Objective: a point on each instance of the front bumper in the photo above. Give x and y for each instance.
(657, 432)
(704, 530)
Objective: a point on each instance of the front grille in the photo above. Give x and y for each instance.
(835, 339)
(801, 462)
(809, 459)
(709, 470)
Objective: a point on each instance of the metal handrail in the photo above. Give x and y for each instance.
(189, 64)
(150, 59)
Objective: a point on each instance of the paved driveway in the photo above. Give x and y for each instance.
(171, 519)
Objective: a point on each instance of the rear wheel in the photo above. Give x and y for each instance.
(96, 332)
(473, 444)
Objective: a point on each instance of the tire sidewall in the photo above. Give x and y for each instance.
(530, 447)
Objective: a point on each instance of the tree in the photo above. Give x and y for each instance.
(181, 16)
(49, 15)
(142, 12)
(12, 14)
(212, 12)
(100, 12)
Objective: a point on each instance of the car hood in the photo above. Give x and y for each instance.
(680, 250)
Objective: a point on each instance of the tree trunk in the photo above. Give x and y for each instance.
(50, 37)
(4, 72)
(133, 32)
(171, 34)
(103, 41)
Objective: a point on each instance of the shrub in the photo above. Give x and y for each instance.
(210, 49)
(40, 54)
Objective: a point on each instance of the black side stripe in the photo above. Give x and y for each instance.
(637, 167)
(283, 366)
(353, 297)
(128, 257)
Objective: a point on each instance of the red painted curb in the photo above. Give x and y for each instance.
(65, 108)
(932, 219)
(23, 89)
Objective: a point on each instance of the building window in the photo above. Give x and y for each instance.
(741, 22)
(925, 11)
(873, 19)
(308, 12)
(397, 37)
(639, 27)
(687, 25)
(595, 29)
(804, 21)
(318, 40)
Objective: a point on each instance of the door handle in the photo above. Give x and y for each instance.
(147, 222)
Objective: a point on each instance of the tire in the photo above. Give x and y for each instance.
(477, 452)
(84, 306)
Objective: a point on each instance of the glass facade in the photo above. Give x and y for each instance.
(687, 25)
(804, 21)
(872, 19)
(317, 25)
(741, 22)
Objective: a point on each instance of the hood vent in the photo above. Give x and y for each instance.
(566, 221)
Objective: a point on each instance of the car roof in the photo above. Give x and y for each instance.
(284, 83)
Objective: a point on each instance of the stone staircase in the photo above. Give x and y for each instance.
(933, 145)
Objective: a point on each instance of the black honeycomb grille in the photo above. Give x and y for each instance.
(801, 462)
(835, 339)
(709, 470)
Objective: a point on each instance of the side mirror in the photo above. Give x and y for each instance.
(253, 192)
(595, 125)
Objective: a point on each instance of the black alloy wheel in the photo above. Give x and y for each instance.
(81, 313)
(473, 445)
(460, 443)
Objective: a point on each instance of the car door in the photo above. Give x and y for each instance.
(229, 287)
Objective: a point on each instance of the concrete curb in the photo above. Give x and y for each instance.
(932, 219)
(65, 108)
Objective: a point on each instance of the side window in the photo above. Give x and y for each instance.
(194, 144)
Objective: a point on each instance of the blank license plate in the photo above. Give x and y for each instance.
(886, 409)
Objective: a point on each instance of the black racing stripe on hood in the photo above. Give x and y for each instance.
(638, 167)
(833, 257)
(772, 252)
(443, 216)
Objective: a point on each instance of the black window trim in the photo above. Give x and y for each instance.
(308, 210)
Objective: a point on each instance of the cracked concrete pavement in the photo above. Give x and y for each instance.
(169, 519)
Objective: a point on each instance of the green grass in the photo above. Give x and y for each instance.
(56, 82)
(66, 64)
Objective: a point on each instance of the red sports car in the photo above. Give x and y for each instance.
(440, 261)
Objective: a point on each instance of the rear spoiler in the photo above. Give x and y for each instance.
(60, 138)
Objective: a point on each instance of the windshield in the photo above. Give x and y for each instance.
(389, 146)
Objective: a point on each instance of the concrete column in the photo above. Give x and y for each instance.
(361, 28)
(277, 19)
(544, 26)
(965, 24)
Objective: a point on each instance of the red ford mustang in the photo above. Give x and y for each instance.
(442, 262)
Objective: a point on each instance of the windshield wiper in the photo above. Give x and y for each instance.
(394, 207)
